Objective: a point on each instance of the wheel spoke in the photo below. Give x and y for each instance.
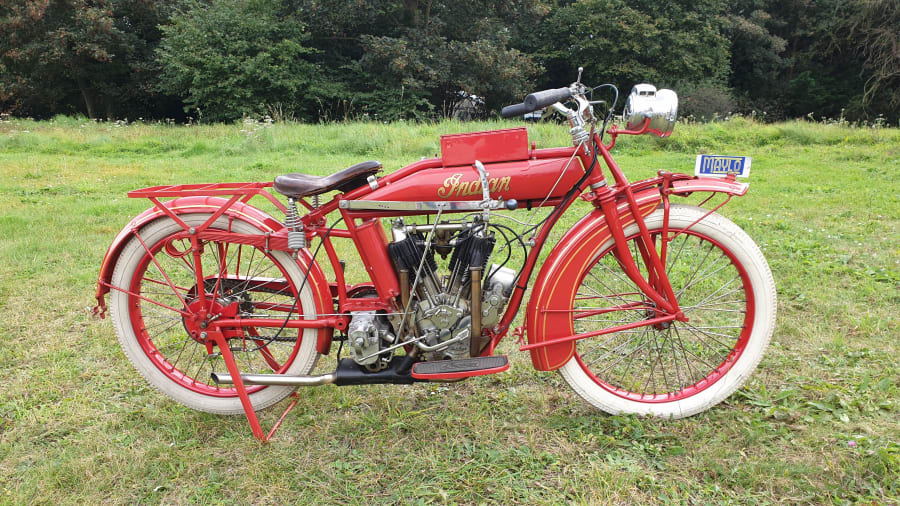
(674, 261)
(200, 363)
(707, 335)
(159, 349)
(693, 271)
(726, 294)
(704, 277)
(163, 283)
(687, 362)
(678, 381)
(174, 363)
(155, 326)
(614, 294)
(631, 354)
(612, 351)
(659, 356)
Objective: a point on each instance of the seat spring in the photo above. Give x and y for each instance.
(296, 234)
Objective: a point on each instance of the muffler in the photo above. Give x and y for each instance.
(347, 373)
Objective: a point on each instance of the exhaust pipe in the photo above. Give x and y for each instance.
(348, 372)
(276, 379)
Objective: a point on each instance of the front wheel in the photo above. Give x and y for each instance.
(724, 287)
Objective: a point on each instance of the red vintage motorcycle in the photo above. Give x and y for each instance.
(644, 306)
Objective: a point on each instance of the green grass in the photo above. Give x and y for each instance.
(818, 422)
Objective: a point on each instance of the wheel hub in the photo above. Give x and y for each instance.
(205, 312)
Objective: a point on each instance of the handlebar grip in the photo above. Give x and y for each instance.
(541, 99)
(512, 111)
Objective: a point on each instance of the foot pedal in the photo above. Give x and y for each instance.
(455, 369)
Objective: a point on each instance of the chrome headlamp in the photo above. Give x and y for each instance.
(646, 102)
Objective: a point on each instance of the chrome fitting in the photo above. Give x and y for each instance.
(579, 135)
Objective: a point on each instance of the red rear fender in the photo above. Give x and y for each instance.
(208, 205)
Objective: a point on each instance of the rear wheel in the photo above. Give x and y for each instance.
(723, 285)
(158, 334)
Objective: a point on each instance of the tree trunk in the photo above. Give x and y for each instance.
(412, 10)
(88, 98)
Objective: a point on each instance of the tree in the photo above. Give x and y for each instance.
(876, 30)
(326, 59)
(434, 71)
(625, 43)
(419, 58)
(757, 54)
(823, 73)
(826, 57)
(238, 57)
(89, 56)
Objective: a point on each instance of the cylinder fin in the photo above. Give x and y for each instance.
(470, 251)
(408, 253)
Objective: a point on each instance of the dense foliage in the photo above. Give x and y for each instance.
(94, 57)
(389, 59)
(236, 58)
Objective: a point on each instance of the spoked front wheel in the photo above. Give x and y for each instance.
(155, 310)
(724, 287)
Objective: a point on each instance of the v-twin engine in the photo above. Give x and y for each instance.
(447, 310)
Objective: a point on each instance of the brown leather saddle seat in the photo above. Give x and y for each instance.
(298, 185)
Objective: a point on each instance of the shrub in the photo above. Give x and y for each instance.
(235, 58)
(704, 101)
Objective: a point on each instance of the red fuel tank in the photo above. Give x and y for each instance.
(526, 180)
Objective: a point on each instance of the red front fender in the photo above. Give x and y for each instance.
(547, 314)
(240, 211)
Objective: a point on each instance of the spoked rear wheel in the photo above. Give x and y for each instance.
(160, 334)
(723, 286)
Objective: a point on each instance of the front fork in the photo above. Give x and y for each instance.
(656, 286)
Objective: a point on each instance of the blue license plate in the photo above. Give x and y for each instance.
(721, 166)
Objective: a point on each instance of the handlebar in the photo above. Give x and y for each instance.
(512, 111)
(541, 99)
(581, 117)
(535, 101)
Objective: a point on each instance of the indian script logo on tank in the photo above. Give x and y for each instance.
(455, 187)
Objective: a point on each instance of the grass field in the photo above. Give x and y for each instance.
(819, 421)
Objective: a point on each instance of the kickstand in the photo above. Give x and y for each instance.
(281, 418)
(231, 365)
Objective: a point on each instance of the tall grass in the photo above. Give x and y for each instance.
(817, 423)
